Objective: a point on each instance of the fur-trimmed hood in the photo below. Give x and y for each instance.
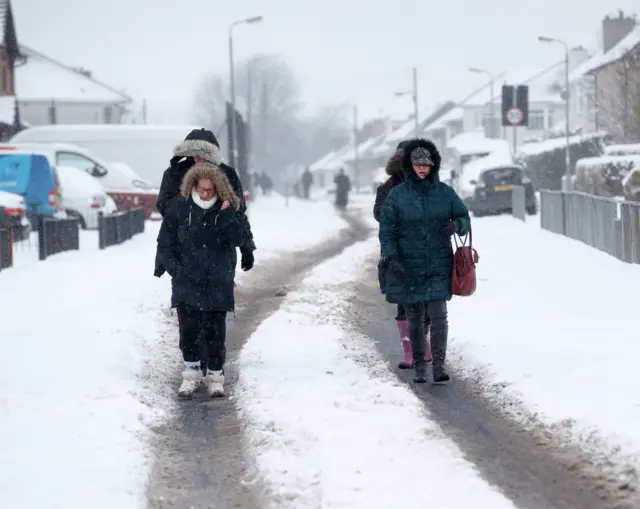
(394, 164)
(209, 171)
(435, 156)
(191, 148)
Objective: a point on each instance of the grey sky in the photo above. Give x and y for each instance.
(342, 50)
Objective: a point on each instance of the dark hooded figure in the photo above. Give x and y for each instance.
(396, 177)
(199, 232)
(307, 180)
(417, 221)
(199, 146)
(343, 187)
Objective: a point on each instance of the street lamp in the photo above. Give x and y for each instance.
(414, 94)
(232, 127)
(567, 187)
(477, 70)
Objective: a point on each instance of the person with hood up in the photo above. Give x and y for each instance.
(396, 176)
(417, 221)
(200, 230)
(199, 146)
(343, 187)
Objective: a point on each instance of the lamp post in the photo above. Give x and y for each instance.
(567, 185)
(232, 127)
(493, 131)
(414, 94)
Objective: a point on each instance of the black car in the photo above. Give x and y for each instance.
(494, 187)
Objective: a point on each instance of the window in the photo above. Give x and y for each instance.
(509, 174)
(81, 162)
(108, 115)
(536, 120)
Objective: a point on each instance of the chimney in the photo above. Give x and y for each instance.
(616, 29)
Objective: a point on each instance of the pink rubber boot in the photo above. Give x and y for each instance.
(407, 359)
(427, 356)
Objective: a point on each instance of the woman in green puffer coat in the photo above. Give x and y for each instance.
(416, 224)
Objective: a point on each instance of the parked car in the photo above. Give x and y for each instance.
(83, 197)
(494, 188)
(32, 177)
(13, 215)
(121, 182)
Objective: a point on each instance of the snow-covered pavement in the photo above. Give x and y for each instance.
(329, 424)
(79, 332)
(554, 326)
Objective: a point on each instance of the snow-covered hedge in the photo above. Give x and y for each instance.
(622, 150)
(605, 176)
(545, 160)
(631, 185)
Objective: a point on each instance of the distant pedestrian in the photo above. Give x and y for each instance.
(343, 187)
(199, 232)
(307, 181)
(418, 219)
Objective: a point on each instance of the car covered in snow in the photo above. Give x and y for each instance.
(83, 197)
(494, 190)
(13, 215)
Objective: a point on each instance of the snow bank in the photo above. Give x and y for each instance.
(554, 324)
(74, 342)
(622, 150)
(328, 423)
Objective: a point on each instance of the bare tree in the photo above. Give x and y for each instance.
(269, 99)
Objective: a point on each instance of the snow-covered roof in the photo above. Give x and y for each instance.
(42, 78)
(616, 53)
(475, 142)
(456, 113)
(531, 149)
(319, 164)
(365, 148)
(408, 129)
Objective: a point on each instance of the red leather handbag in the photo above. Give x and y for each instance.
(463, 277)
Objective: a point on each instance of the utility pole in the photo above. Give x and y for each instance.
(144, 111)
(415, 101)
(249, 129)
(356, 164)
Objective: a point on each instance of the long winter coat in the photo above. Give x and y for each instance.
(412, 218)
(196, 246)
(170, 189)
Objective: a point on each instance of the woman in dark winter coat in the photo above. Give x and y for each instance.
(199, 233)
(396, 176)
(418, 219)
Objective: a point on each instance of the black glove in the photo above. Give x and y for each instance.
(247, 261)
(450, 228)
(397, 267)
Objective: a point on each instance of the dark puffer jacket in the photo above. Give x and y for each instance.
(396, 176)
(172, 178)
(196, 245)
(412, 218)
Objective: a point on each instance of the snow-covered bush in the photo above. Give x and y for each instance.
(545, 160)
(604, 176)
(631, 185)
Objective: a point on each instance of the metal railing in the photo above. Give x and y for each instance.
(603, 223)
(115, 228)
(519, 203)
(57, 235)
(6, 248)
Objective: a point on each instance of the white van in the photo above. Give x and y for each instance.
(111, 176)
(145, 148)
(83, 197)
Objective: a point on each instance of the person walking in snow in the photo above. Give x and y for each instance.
(199, 233)
(417, 221)
(343, 187)
(396, 177)
(201, 145)
(307, 180)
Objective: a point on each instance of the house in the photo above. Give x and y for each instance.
(481, 109)
(597, 100)
(615, 72)
(10, 58)
(50, 92)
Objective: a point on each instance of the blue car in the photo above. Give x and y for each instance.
(31, 176)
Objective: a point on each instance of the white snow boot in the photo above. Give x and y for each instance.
(214, 382)
(191, 379)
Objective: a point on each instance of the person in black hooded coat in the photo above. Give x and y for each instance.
(201, 145)
(396, 176)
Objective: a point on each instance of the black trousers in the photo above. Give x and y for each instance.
(202, 336)
(402, 315)
(437, 312)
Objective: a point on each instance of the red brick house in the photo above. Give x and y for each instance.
(10, 57)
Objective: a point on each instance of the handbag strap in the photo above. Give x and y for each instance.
(469, 236)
